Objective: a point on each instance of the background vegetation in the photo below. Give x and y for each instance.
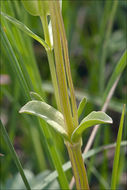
(96, 33)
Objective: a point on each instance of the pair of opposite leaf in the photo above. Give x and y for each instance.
(55, 118)
(41, 109)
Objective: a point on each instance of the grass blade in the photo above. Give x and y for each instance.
(14, 63)
(105, 45)
(117, 152)
(23, 48)
(16, 67)
(14, 155)
(117, 71)
(25, 29)
(108, 95)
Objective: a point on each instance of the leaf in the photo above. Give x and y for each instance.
(117, 152)
(41, 109)
(36, 96)
(14, 63)
(81, 106)
(93, 118)
(120, 66)
(25, 29)
(26, 91)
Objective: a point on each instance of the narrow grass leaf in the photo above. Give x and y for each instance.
(14, 63)
(25, 29)
(41, 109)
(92, 119)
(20, 75)
(117, 152)
(107, 35)
(14, 155)
(81, 106)
(116, 73)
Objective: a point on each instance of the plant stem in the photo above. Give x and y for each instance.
(54, 78)
(64, 74)
(51, 60)
(55, 157)
(67, 63)
(61, 74)
(78, 167)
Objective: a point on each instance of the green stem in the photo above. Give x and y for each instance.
(67, 63)
(78, 165)
(55, 156)
(54, 78)
(60, 68)
(51, 60)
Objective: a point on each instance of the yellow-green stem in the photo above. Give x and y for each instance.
(78, 166)
(62, 82)
(67, 63)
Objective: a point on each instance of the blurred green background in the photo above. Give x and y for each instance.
(87, 24)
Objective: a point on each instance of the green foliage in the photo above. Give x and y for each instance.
(42, 180)
(14, 155)
(96, 35)
(37, 7)
(117, 152)
(36, 96)
(14, 63)
(81, 106)
(25, 29)
(121, 65)
(92, 119)
(43, 110)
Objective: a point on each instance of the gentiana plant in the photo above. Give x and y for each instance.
(65, 120)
